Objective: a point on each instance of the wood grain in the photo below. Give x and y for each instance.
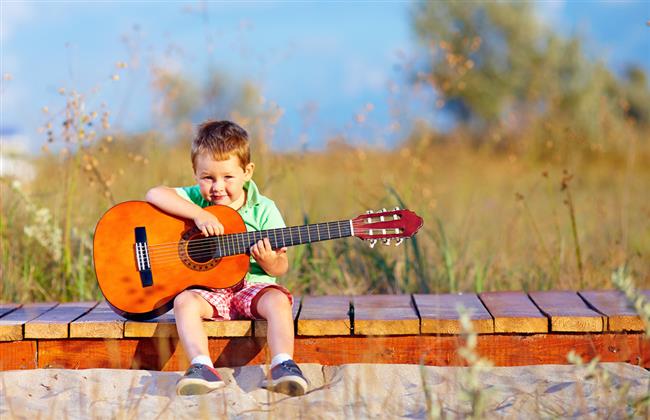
(567, 311)
(324, 316)
(620, 313)
(439, 313)
(18, 355)
(514, 312)
(431, 350)
(55, 323)
(100, 322)
(165, 326)
(11, 325)
(385, 315)
(6, 308)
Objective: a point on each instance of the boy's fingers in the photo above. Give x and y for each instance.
(267, 244)
(204, 230)
(282, 250)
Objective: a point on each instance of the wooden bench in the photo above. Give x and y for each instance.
(514, 328)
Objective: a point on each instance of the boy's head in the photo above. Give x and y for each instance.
(220, 140)
(221, 162)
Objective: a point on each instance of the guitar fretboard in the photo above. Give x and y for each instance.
(240, 243)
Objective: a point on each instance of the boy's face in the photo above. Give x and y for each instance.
(222, 181)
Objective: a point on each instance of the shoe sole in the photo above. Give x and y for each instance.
(289, 385)
(197, 387)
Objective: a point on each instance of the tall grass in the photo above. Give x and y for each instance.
(476, 235)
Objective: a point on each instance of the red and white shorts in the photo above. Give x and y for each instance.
(235, 302)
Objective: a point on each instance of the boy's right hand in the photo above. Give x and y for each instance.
(208, 223)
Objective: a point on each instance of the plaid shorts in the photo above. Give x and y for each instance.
(235, 302)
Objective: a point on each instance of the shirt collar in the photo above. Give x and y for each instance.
(252, 194)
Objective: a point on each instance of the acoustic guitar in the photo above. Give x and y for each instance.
(144, 257)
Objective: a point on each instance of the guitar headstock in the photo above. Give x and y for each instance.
(386, 225)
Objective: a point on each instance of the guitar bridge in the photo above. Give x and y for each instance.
(142, 256)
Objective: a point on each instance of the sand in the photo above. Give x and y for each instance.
(346, 391)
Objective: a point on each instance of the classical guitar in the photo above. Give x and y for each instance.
(144, 257)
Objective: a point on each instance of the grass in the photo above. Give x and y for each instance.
(490, 223)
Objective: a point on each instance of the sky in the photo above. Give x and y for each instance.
(333, 68)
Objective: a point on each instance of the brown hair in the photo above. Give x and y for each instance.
(221, 139)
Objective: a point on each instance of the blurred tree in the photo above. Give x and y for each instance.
(494, 65)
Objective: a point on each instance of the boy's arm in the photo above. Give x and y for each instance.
(168, 200)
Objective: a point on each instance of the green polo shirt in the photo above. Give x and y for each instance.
(258, 213)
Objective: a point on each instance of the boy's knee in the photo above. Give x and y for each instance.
(185, 300)
(272, 298)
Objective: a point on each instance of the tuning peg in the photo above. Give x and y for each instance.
(384, 210)
(386, 241)
(396, 208)
(368, 211)
(399, 241)
(373, 242)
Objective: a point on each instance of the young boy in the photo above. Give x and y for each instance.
(223, 172)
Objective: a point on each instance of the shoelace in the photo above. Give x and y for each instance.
(193, 369)
(291, 367)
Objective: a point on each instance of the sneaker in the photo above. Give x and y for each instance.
(199, 379)
(286, 378)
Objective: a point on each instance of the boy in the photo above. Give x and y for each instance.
(223, 171)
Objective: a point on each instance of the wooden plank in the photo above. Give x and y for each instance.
(620, 313)
(18, 355)
(162, 326)
(385, 315)
(145, 353)
(101, 322)
(439, 313)
(432, 350)
(11, 325)
(54, 323)
(324, 316)
(6, 308)
(567, 311)
(514, 312)
(260, 325)
(165, 326)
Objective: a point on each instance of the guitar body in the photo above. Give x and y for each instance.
(177, 257)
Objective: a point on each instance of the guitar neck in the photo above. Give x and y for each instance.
(240, 243)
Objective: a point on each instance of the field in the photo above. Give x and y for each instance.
(493, 219)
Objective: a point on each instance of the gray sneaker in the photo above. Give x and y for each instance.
(199, 379)
(286, 378)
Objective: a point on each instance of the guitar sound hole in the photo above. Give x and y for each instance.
(201, 249)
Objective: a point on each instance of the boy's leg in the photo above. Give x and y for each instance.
(274, 305)
(189, 310)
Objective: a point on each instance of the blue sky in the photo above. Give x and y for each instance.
(333, 58)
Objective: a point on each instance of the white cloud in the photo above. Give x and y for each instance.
(14, 14)
(361, 76)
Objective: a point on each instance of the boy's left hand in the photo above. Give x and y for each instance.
(264, 253)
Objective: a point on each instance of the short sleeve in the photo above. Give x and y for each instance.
(192, 194)
(273, 219)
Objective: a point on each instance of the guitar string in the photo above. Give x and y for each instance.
(223, 241)
(313, 231)
(226, 247)
(310, 228)
(209, 251)
(229, 240)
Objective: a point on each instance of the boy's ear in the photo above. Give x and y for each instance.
(248, 171)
